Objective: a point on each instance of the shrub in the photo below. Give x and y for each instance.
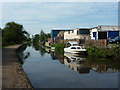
(59, 48)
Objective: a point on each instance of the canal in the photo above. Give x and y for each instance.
(46, 69)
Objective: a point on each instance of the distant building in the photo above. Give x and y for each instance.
(104, 32)
(55, 32)
(60, 37)
(78, 34)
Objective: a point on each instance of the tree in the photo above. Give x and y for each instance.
(42, 36)
(36, 38)
(13, 33)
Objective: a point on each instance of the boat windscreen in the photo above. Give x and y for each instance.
(75, 44)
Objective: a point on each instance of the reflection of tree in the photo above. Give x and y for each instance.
(42, 51)
(21, 55)
(28, 44)
(22, 48)
(36, 46)
(103, 64)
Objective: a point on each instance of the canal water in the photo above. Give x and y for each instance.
(46, 69)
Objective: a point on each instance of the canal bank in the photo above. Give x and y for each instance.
(13, 76)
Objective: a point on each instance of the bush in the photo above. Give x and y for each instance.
(59, 48)
(113, 52)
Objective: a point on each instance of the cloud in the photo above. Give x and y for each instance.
(36, 16)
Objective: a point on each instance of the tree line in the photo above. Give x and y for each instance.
(42, 37)
(14, 33)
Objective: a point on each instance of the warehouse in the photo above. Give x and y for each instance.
(104, 32)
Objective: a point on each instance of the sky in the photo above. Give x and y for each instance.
(37, 16)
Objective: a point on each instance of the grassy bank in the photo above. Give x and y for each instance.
(113, 52)
(59, 48)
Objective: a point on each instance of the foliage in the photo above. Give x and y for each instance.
(13, 33)
(59, 48)
(42, 37)
(36, 38)
(104, 52)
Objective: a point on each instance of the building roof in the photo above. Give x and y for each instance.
(108, 28)
(83, 27)
(62, 29)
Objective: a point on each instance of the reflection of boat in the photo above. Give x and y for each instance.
(47, 50)
(48, 44)
(73, 57)
(52, 49)
(73, 47)
(76, 63)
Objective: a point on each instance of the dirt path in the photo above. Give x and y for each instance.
(13, 75)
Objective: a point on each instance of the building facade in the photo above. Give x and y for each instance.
(55, 32)
(77, 34)
(104, 32)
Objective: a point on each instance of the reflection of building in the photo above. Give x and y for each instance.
(103, 68)
(76, 64)
(81, 65)
(53, 56)
(60, 37)
(60, 58)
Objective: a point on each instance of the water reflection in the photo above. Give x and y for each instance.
(22, 56)
(67, 70)
(40, 48)
(78, 63)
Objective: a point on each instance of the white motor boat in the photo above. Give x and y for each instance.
(73, 47)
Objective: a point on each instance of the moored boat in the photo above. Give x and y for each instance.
(73, 47)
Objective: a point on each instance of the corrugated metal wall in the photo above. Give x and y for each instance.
(113, 34)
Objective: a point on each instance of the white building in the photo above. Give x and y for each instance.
(104, 32)
(80, 33)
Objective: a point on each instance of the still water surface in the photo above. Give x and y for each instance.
(46, 69)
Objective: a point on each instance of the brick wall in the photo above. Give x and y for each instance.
(99, 43)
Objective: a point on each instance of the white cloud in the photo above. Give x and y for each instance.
(36, 16)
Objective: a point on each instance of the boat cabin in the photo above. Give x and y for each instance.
(71, 43)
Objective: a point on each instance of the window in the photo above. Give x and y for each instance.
(94, 34)
(68, 32)
(77, 32)
(84, 31)
(72, 31)
(102, 35)
(78, 47)
(75, 44)
(73, 47)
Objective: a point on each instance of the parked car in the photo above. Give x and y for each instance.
(115, 40)
(109, 38)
